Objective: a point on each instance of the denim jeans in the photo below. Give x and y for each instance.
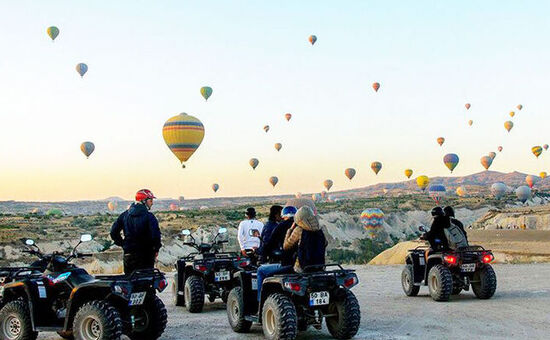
(267, 270)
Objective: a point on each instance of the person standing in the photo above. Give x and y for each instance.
(248, 232)
(142, 238)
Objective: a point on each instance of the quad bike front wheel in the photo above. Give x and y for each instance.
(97, 320)
(149, 320)
(407, 281)
(484, 283)
(235, 311)
(440, 283)
(347, 316)
(194, 294)
(15, 322)
(279, 318)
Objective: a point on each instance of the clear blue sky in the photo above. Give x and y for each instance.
(148, 59)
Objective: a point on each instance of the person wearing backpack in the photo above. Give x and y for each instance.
(455, 233)
(307, 238)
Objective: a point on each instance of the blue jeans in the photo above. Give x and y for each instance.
(267, 270)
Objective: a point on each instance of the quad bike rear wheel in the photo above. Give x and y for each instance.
(440, 283)
(15, 322)
(235, 311)
(279, 318)
(484, 283)
(407, 281)
(97, 320)
(149, 320)
(348, 317)
(194, 294)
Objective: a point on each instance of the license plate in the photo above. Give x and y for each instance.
(318, 298)
(221, 276)
(137, 298)
(254, 284)
(468, 267)
(421, 261)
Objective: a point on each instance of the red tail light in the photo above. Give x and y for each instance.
(162, 285)
(201, 268)
(487, 258)
(450, 259)
(349, 282)
(244, 264)
(293, 286)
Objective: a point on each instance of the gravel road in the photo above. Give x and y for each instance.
(520, 309)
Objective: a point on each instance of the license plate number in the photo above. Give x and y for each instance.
(254, 284)
(318, 298)
(468, 267)
(221, 276)
(137, 299)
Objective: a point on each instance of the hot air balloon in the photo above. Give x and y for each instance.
(253, 163)
(302, 202)
(543, 175)
(312, 39)
(486, 161)
(437, 192)
(422, 182)
(492, 154)
(451, 161)
(183, 134)
(53, 32)
(440, 141)
(499, 149)
(87, 148)
(81, 69)
(536, 150)
(467, 105)
(350, 173)
(498, 189)
(278, 146)
(215, 187)
(111, 206)
(408, 173)
(375, 86)
(288, 116)
(523, 193)
(206, 92)
(470, 122)
(545, 147)
(266, 128)
(328, 184)
(461, 191)
(530, 180)
(173, 206)
(298, 195)
(512, 113)
(316, 197)
(181, 199)
(273, 180)
(519, 107)
(372, 219)
(376, 166)
(508, 125)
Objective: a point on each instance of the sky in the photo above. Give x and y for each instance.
(148, 60)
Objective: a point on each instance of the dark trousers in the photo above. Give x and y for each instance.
(134, 262)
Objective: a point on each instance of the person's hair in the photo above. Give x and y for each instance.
(250, 212)
(449, 211)
(437, 211)
(274, 211)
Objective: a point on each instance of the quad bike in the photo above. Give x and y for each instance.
(206, 272)
(292, 302)
(66, 299)
(448, 272)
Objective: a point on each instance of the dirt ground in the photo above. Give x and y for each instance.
(520, 309)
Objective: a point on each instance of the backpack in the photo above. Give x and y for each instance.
(455, 236)
(311, 250)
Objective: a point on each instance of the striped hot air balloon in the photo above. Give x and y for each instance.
(437, 192)
(372, 220)
(183, 134)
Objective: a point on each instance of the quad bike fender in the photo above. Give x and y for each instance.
(90, 291)
(432, 260)
(418, 263)
(18, 290)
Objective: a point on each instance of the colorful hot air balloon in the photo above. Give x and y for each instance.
(375, 86)
(53, 32)
(512, 113)
(499, 149)
(523, 193)
(273, 180)
(467, 105)
(253, 163)
(545, 147)
(376, 166)
(183, 134)
(437, 192)
(81, 69)
(519, 107)
(372, 219)
(486, 161)
(508, 125)
(536, 150)
(408, 173)
(530, 180)
(543, 175)
(350, 173)
(470, 122)
(312, 39)
(215, 187)
(288, 116)
(440, 141)
(278, 146)
(111, 206)
(328, 184)
(173, 206)
(492, 154)
(498, 189)
(422, 182)
(451, 161)
(461, 191)
(266, 128)
(87, 148)
(206, 92)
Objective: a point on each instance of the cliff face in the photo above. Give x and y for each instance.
(536, 218)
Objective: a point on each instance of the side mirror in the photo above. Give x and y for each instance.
(29, 242)
(185, 232)
(222, 230)
(85, 238)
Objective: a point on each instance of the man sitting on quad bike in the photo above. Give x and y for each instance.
(436, 235)
(249, 241)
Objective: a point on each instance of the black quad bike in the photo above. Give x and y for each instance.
(292, 302)
(64, 298)
(206, 272)
(449, 272)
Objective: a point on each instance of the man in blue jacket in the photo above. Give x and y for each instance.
(141, 242)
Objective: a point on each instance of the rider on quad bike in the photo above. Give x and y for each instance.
(66, 299)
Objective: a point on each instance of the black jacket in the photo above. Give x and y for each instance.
(276, 241)
(267, 231)
(436, 232)
(140, 228)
